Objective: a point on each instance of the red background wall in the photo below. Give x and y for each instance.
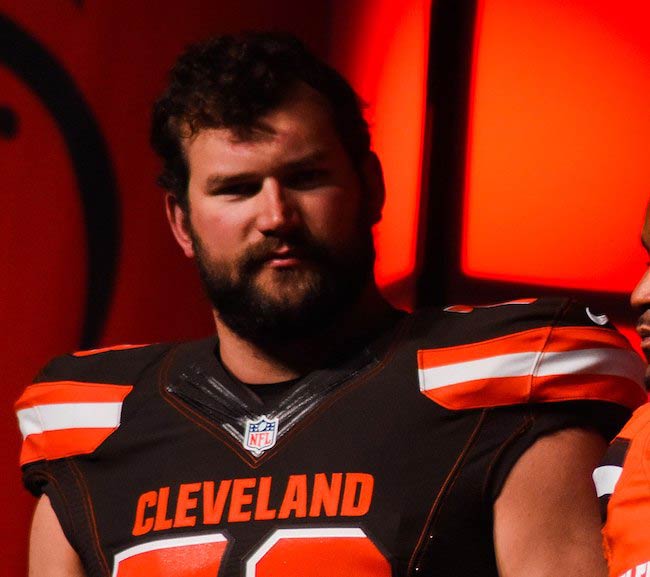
(555, 162)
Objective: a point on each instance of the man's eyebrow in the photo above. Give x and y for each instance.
(218, 180)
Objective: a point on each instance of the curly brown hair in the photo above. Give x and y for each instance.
(231, 81)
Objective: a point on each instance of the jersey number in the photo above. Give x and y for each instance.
(332, 552)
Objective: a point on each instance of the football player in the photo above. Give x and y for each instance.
(319, 432)
(625, 470)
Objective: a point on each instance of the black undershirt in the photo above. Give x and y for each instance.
(270, 393)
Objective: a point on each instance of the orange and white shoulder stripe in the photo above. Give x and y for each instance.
(538, 365)
(64, 418)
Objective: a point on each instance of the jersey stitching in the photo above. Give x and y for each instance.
(537, 362)
(446, 486)
(538, 358)
(354, 382)
(527, 423)
(195, 417)
(132, 398)
(90, 514)
(211, 427)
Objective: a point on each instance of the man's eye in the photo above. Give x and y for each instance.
(238, 189)
(305, 179)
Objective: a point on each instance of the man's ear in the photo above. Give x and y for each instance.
(179, 222)
(373, 181)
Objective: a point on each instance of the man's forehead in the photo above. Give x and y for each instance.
(300, 127)
(296, 127)
(235, 136)
(227, 144)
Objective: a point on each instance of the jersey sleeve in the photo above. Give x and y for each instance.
(72, 407)
(572, 355)
(541, 420)
(543, 366)
(625, 475)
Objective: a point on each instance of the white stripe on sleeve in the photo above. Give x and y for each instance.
(55, 417)
(605, 361)
(512, 365)
(605, 479)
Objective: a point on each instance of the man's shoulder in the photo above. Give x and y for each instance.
(493, 320)
(524, 351)
(115, 364)
(76, 401)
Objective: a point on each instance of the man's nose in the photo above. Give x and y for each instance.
(277, 211)
(640, 297)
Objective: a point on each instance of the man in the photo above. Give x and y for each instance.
(321, 432)
(625, 470)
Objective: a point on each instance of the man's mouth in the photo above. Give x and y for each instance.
(284, 259)
(643, 330)
(281, 254)
(645, 342)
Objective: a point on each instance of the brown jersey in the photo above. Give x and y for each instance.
(384, 462)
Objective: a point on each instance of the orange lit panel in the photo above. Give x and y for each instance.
(381, 47)
(557, 160)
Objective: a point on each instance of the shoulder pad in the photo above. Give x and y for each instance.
(76, 401)
(116, 364)
(89, 352)
(554, 362)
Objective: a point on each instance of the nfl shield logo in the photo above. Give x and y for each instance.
(260, 435)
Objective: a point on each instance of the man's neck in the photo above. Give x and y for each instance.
(254, 363)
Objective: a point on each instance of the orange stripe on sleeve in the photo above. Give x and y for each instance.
(90, 352)
(559, 339)
(65, 418)
(52, 445)
(499, 392)
(611, 388)
(572, 338)
(71, 392)
(538, 365)
(525, 341)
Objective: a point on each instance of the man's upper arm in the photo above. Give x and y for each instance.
(546, 519)
(50, 553)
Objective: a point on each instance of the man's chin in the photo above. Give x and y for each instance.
(288, 285)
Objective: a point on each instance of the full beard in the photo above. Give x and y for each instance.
(275, 306)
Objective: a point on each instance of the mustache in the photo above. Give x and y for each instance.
(299, 245)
